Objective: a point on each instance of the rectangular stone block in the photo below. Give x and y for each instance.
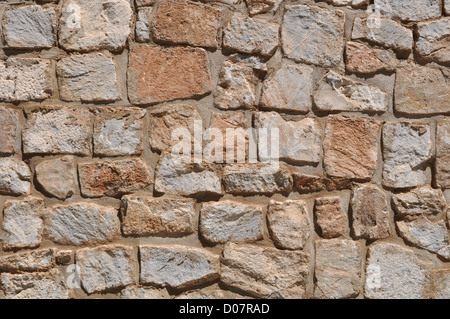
(9, 130)
(443, 153)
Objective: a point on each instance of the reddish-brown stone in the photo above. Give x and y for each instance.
(9, 130)
(312, 184)
(361, 58)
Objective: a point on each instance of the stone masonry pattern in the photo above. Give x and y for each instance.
(94, 205)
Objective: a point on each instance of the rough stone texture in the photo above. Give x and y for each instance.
(289, 223)
(341, 93)
(175, 176)
(118, 132)
(389, 270)
(260, 178)
(81, 223)
(447, 7)
(186, 22)
(257, 63)
(288, 89)
(353, 3)
(351, 147)
(46, 285)
(143, 25)
(409, 10)
(63, 257)
(22, 224)
(58, 177)
(304, 183)
(331, 219)
(38, 260)
(15, 177)
(177, 267)
(265, 272)
(299, 141)
(406, 148)
(88, 78)
(113, 178)
(337, 269)
(444, 252)
(363, 59)
(87, 25)
(24, 79)
(251, 35)
(231, 221)
(421, 90)
(144, 3)
(236, 87)
(432, 43)
(262, 6)
(106, 267)
(157, 74)
(424, 201)
(164, 120)
(148, 216)
(424, 234)
(313, 35)
(144, 293)
(370, 212)
(29, 27)
(58, 130)
(390, 34)
(443, 153)
(9, 130)
(441, 283)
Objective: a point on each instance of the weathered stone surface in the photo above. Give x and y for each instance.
(288, 89)
(29, 27)
(440, 279)
(38, 260)
(313, 35)
(175, 176)
(289, 223)
(257, 63)
(444, 252)
(118, 132)
(134, 292)
(143, 24)
(210, 293)
(389, 273)
(262, 6)
(407, 147)
(424, 234)
(338, 269)
(231, 221)
(63, 257)
(88, 78)
(80, 223)
(432, 44)
(148, 216)
(164, 120)
(421, 90)
(106, 267)
(363, 59)
(144, 3)
(15, 177)
(236, 87)
(186, 22)
(58, 177)
(24, 79)
(9, 130)
(259, 178)
(157, 74)
(113, 178)
(443, 153)
(331, 219)
(87, 25)
(251, 35)
(390, 34)
(341, 93)
(58, 130)
(44, 285)
(409, 10)
(229, 148)
(353, 3)
(424, 201)
(447, 7)
(351, 147)
(370, 212)
(265, 272)
(299, 141)
(310, 184)
(22, 224)
(177, 267)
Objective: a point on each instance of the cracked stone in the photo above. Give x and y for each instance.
(419, 201)
(432, 44)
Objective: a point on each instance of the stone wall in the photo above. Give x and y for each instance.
(94, 205)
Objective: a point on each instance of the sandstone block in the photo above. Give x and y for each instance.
(15, 177)
(363, 59)
(440, 279)
(262, 6)
(9, 130)
(432, 45)
(443, 153)
(38, 260)
(304, 183)
(419, 201)
(331, 219)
